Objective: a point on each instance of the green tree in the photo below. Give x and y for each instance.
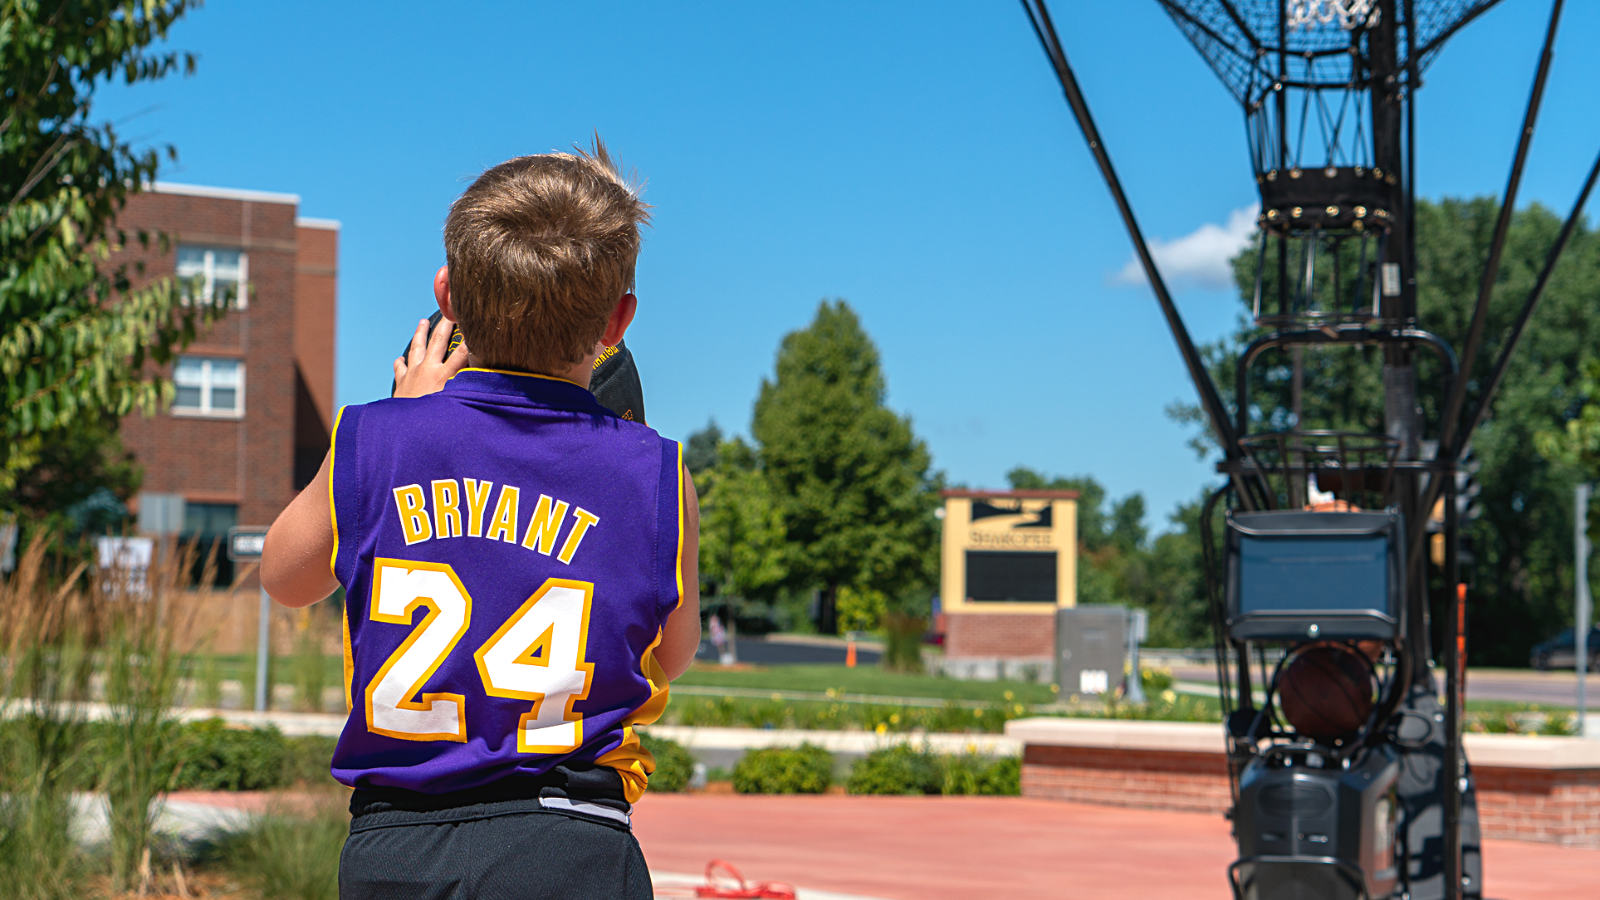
(1521, 578)
(854, 485)
(700, 451)
(79, 481)
(1578, 443)
(76, 334)
(742, 542)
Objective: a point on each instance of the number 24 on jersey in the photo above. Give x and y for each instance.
(537, 655)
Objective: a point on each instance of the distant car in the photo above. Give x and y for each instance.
(1560, 652)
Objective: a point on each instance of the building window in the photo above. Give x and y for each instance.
(209, 387)
(207, 524)
(208, 521)
(214, 275)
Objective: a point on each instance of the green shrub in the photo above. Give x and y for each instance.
(1560, 724)
(963, 774)
(904, 769)
(214, 757)
(901, 769)
(306, 759)
(1155, 680)
(902, 649)
(674, 765)
(754, 712)
(1002, 776)
(286, 854)
(806, 769)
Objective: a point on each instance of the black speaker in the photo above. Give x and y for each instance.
(1311, 829)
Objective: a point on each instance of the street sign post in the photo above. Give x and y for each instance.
(245, 543)
(1580, 633)
(1138, 630)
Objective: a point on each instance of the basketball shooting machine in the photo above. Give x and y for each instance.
(1347, 770)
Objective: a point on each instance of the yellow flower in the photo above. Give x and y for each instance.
(831, 694)
(1010, 696)
(1020, 709)
(882, 729)
(1169, 695)
(894, 719)
(1055, 688)
(977, 713)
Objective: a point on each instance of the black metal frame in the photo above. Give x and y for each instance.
(1419, 481)
(1358, 879)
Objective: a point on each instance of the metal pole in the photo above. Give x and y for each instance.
(1580, 540)
(263, 649)
(1452, 781)
(1136, 624)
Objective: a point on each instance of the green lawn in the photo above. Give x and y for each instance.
(865, 680)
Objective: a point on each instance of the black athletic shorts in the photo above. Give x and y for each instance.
(546, 842)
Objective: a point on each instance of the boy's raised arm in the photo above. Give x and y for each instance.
(296, 563)
(681, 636)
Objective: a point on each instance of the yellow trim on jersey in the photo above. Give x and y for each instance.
(631, 760)
(333, 512)
(680, 528)
(333, 566)
(518, 374)
(349, 660)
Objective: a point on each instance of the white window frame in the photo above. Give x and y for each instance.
(208, 275)
(207, 385)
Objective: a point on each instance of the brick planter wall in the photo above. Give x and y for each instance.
(1529, 788)
(1558, 806)
(1150, 779)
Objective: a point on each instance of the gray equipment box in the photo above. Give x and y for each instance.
(1091, 644)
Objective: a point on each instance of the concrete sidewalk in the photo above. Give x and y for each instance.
(945, 848)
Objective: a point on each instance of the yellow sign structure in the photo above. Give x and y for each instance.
(1009, 561)
(1010, 551)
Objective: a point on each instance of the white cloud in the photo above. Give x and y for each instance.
(1199, 258)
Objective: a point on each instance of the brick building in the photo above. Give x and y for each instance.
(254, 404)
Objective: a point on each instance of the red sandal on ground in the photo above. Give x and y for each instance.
(760, 890)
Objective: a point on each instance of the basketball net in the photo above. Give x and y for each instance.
(1348, 13)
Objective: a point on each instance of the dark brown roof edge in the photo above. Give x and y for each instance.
(1011, 495)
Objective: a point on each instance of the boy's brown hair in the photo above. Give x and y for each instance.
(540, 250)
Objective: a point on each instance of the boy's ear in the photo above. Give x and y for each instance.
(441, 293)
(617, 324)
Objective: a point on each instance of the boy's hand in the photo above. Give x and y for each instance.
(425, 368)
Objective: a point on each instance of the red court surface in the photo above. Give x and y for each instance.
(943, 848)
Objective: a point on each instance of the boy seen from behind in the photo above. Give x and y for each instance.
(519, 563)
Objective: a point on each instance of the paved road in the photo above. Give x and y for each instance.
(792, 651)
(1543, 688)
(966, 848)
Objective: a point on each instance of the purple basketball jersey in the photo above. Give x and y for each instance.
(510, 550)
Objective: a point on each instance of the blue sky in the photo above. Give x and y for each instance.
(916, 159)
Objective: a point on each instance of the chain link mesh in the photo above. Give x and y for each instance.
(1239, 38)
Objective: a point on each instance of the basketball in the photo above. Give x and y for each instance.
(1326, 691)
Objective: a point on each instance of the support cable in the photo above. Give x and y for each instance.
(1528, 306)
(1210, 400)
(1491, 269)
(1448, 438)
